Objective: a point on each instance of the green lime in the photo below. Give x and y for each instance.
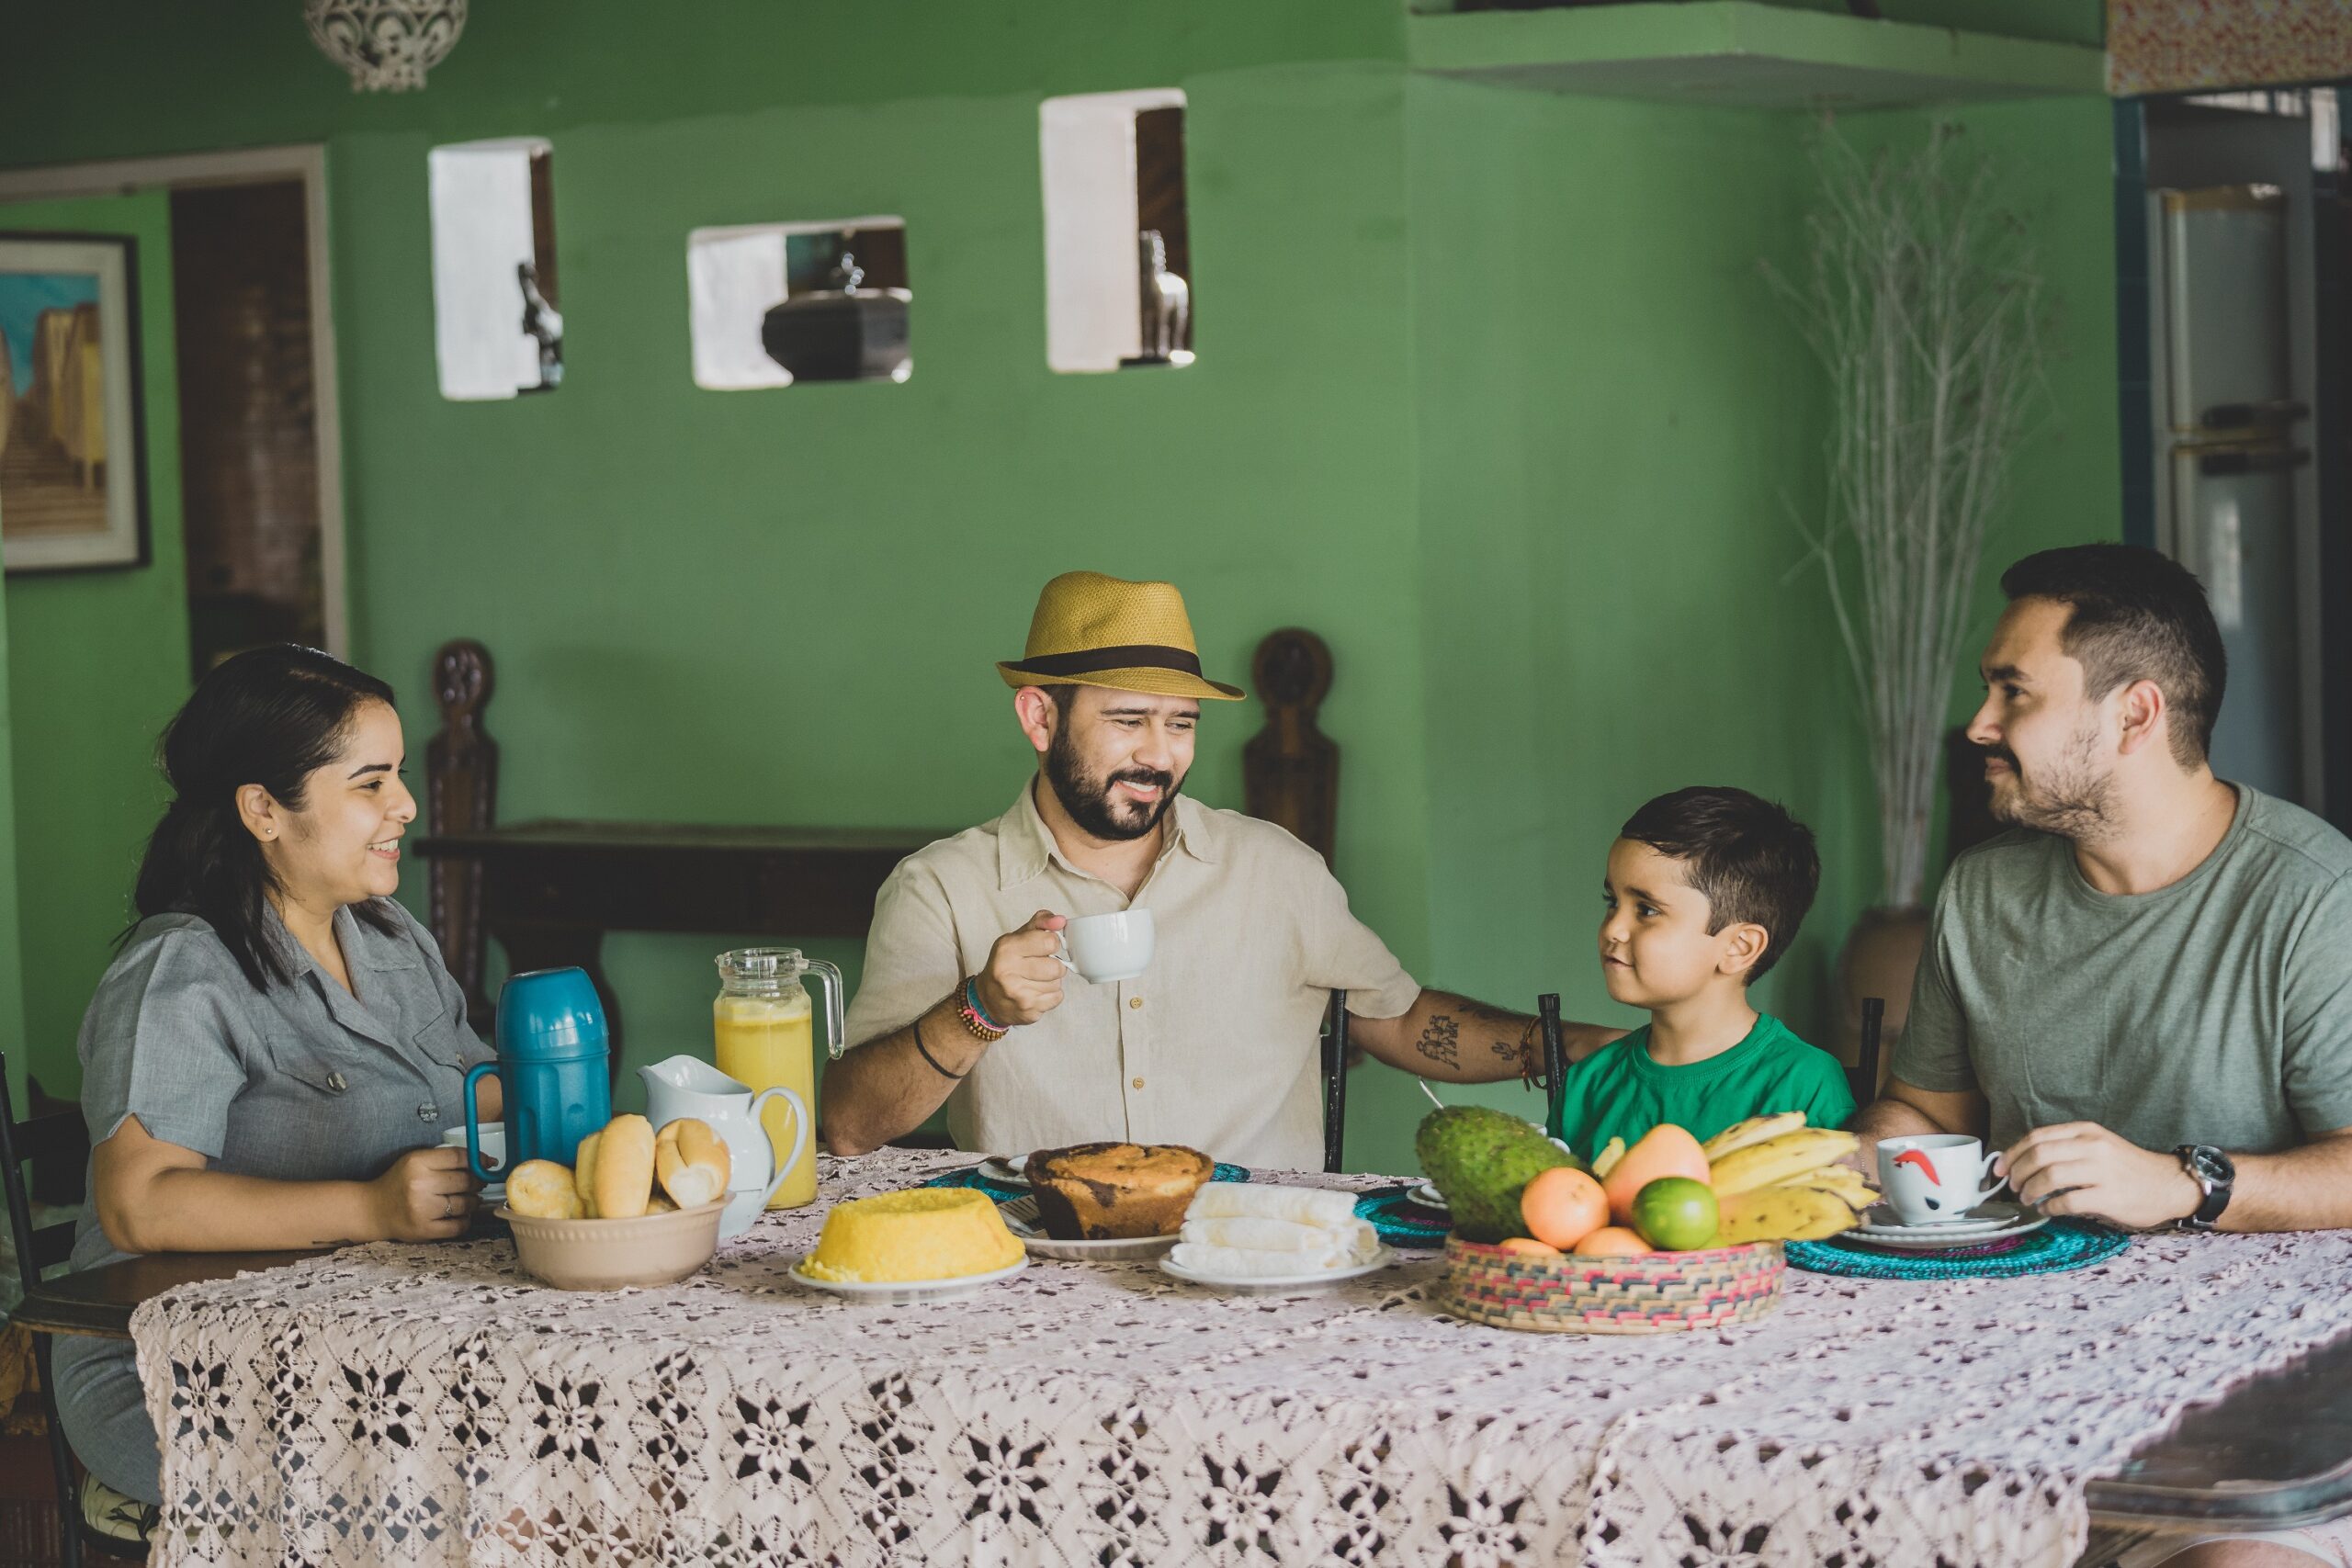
(1675, 1213)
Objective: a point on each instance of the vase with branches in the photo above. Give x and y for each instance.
(1922, 297)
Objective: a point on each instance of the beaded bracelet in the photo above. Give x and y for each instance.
(976, 1023)
(972, 995)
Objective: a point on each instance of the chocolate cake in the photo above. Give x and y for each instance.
(1102, 1191)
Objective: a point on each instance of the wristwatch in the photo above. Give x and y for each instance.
(2212, 1170)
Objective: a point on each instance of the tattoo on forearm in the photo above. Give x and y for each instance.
(1442, 1041)
(1507, 1049)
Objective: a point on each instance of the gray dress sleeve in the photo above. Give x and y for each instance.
(169, 1039)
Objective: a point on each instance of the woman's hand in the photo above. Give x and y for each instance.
(426, 1195)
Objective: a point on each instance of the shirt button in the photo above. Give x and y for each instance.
(1135, 1001)
(1138, 1083)
(334, 1082)
(428, 1113)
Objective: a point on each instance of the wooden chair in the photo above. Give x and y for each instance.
(1335, 1082)
(1862, 1077)
(1555, 1058)
(58, 1134)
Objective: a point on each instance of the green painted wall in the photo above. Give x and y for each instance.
(12, 971)
(1490, 394)
(97, 663)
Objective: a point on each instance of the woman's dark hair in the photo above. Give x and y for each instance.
(268, 716)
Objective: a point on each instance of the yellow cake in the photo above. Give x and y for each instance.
(926, 1233)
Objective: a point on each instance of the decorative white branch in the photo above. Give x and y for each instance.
(1923, 300)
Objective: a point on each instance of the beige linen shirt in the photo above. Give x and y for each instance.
(1212, 1046)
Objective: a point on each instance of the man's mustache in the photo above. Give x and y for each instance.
(2004, 753)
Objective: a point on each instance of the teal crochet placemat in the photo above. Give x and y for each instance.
(1400, 1219)
(2060, 1245)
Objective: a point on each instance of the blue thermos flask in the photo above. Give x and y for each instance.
(551, 1061)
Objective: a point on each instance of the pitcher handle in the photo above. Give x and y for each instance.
(830, 979)
(799, 1135)
(473, 1121)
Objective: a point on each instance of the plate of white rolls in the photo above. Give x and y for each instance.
(1257, 1238)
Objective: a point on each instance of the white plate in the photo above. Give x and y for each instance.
(1880, 1220)
(1281, 1284)
(1021, 1219)
(905, 1292)
(1428, 1197)
(1941, 1239)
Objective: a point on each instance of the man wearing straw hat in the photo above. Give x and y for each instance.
(1213, 1044)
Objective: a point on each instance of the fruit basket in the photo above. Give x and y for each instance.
(1659, 1294)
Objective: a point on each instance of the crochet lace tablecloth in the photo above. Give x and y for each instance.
(400, 1404)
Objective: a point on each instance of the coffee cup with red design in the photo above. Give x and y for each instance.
(1935, 1178)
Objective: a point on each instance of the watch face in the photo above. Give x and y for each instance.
(2212, 1164)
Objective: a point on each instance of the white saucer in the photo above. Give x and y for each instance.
(1428, 1197)
(1021, 1219)
(1999, 1214)
(905, 1292)
(493, 1195)
(1941, 1238)
(1004, 1172)
(1281, 1284)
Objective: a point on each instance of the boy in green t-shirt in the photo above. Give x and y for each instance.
(1704, 892)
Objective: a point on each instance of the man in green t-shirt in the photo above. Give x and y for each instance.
(2143, 995)
(1704, 890)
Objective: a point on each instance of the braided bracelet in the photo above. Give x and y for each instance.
(972, 995)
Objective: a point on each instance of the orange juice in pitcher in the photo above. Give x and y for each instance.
(762, 1024)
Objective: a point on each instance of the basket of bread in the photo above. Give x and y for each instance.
(635, 1207)
(1667, 1234)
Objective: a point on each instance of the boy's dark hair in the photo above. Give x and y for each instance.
(1754, 862)
(2138, 616)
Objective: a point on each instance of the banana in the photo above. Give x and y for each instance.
(1778, 1159)
(1782, 1213)
(1843, 1181)
(1606, 1160)
(1755, 1130)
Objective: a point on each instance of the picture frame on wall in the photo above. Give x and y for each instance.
(73, 479)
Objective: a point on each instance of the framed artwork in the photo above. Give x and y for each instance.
(73, 488)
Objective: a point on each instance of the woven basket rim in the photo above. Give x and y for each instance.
(1743, 1252)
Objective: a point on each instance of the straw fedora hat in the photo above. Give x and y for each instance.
(1093, 630)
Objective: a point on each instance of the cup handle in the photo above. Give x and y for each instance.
(1985, 1175)
(1061, 956)
(799, 1135)
(473, 1121)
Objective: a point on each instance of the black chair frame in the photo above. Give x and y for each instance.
(56, 1136)
(1335, 1082)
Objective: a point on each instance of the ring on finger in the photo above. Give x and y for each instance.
(449, 1205)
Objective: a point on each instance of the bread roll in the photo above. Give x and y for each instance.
(623, 1175)
(584, 1173)
(543, 1190)
(691, 1162)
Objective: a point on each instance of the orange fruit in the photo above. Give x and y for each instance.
(1532, 1247)
(1665, 1150)
(1562, 1206)
(1613, 1241)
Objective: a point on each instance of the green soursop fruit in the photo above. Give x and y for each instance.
(1480, 1159)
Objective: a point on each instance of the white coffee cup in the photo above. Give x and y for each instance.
(493, 1150)
(1102, 948)
(1936, 1177)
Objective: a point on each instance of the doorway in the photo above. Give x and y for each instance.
(260, 480)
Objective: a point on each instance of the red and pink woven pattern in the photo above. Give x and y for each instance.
(1657, 1294)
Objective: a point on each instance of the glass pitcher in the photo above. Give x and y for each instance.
(761, 1020)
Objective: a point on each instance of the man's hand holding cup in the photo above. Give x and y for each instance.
(1022, 981)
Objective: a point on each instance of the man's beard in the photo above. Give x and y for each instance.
(1088, 801)
(2066, 795)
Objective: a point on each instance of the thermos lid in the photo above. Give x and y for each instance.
(550, 1012)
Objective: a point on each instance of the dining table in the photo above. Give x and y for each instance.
(406, 1404)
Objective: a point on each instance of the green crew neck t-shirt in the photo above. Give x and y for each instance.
(2215, 1010)
(1621, 1091)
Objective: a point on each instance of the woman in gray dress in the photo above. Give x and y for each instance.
(273, 1056)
